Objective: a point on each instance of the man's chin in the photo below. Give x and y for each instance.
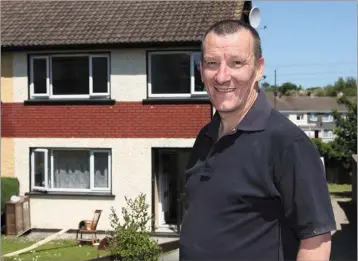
(226, 109)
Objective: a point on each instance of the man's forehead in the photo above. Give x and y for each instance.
(241, 40)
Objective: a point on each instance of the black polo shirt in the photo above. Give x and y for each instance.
(255, 193)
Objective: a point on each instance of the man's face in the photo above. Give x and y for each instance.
(228, 69)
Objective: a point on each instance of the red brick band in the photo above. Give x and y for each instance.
(122, 120)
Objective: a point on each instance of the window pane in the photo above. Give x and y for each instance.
(170, 73)
(99, 74)
(49, 170)
(199, 85)
(71, 169)
(39, 178)
(101, 170)
(70, 75)
(39, 67)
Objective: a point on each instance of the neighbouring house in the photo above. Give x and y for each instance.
(102, 100)
(312, 114)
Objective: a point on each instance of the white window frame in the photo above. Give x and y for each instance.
(49, 93)
(192, 77)
(33, 187)
(32, 87)
(300, 117)
(328, 134)
(51, 169)
(327, 118)
(313, 117)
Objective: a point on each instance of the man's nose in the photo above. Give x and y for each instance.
(223, 74)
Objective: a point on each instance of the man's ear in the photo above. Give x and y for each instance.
(260, 67)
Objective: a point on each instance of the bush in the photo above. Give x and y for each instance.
(131, 240)
(9, 187)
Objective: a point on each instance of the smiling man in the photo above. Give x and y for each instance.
(255, 184)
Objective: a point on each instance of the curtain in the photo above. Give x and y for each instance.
(72, 169)
(101, 170)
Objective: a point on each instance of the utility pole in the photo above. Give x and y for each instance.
(275, 92)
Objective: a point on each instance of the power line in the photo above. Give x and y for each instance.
(303, 74)
(310, 64)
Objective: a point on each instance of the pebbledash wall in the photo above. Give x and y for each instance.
(129, 128)
(7, 90)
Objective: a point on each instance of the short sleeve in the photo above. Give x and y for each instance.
(301, 182)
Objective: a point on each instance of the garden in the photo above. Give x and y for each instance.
(57, 250)
(129, 238)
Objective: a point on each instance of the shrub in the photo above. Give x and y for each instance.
(9, 187)
(131, 240)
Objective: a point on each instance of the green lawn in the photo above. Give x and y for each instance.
(57, 250)
(340, 190)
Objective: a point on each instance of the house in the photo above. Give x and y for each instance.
(102, 100)
(311, 113)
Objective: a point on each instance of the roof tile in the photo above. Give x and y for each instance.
(31, 23)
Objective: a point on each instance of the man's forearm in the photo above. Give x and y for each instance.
(315, 248)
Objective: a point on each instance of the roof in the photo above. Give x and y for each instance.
(58, 23)
(306, 103)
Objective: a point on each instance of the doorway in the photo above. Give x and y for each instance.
(168, 176)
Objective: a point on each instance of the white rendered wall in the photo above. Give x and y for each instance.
(128, 75)
(131, 175)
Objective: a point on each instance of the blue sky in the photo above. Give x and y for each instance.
(310, 43)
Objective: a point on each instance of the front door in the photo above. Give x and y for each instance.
(183, 157)
(171, 164)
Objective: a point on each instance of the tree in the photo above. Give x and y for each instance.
(286, 87)
(346, 131)
(265, 85)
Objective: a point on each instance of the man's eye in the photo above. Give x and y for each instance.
(211, 64)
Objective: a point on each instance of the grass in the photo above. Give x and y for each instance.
(57, 250)
(340, 190)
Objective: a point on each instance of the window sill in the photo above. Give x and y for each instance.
(171, 100)
(70, 102)
(66, 194)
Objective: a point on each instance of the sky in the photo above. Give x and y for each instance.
(309, 43)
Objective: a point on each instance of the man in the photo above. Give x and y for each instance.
(255, 184)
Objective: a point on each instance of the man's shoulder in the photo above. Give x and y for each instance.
(203, 130)
(283, 131)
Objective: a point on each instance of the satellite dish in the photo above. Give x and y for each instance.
(254, 17)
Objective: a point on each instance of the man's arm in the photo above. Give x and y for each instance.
(307, 207)
(315, 248)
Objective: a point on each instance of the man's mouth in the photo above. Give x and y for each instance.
(224, 89)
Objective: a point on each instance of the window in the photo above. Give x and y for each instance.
(327, 134)
(69, 76)
(313, 117)
(174, 74)
(299, 117)
(327, 118)
(73, 170)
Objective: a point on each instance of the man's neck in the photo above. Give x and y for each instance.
(229, 121)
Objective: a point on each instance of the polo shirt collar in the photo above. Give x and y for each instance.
(255, 120)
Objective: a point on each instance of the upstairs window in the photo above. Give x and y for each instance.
(299, 117)
(69, 76)
(313, 117)
(174, 74)
(327, 118)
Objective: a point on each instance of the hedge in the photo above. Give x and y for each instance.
(9, 187)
